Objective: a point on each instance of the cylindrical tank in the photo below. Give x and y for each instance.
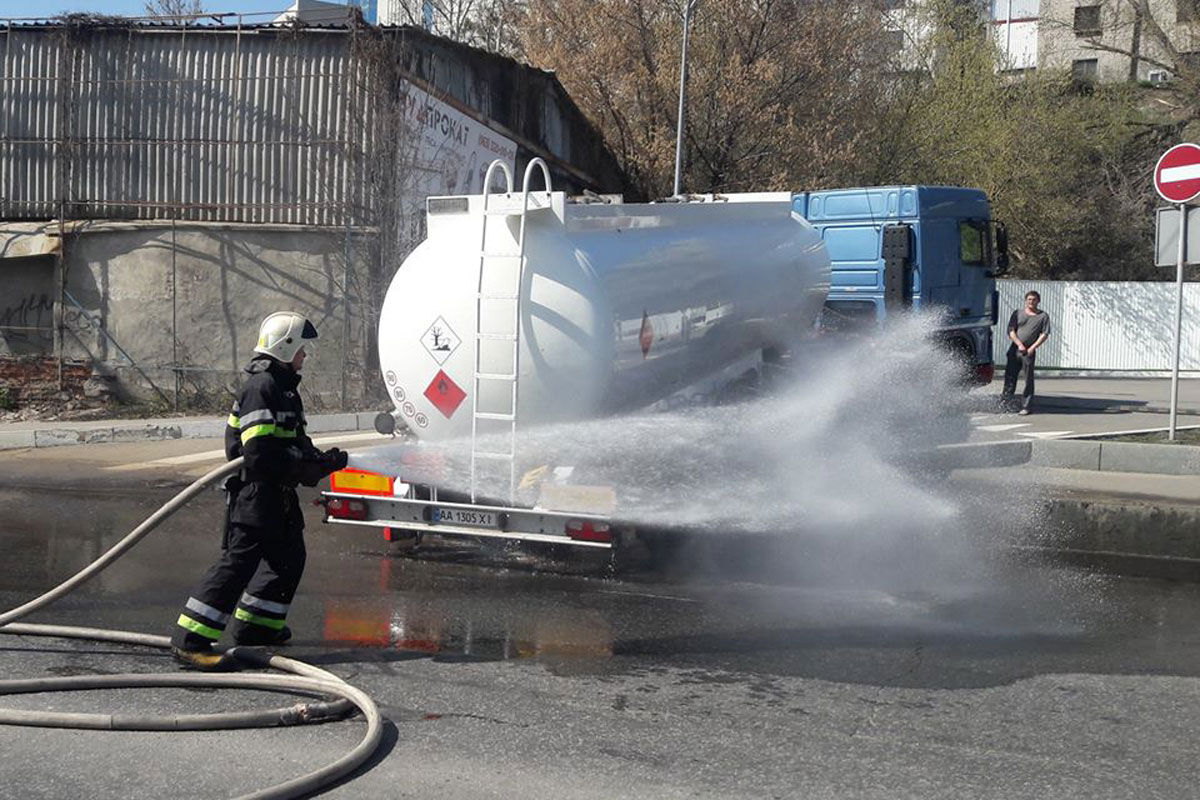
(621, 304)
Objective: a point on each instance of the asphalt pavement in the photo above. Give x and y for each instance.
(889, 663)
(1069, 407)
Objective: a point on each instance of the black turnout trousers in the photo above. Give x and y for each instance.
(256, 576)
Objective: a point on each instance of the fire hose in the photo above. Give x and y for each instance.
(303, 679)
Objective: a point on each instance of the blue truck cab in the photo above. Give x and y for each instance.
(896, 248)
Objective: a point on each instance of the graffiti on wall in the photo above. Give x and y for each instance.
(27, 325)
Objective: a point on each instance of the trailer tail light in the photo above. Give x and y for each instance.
(346, 508)
(587, 530)
(984, 373)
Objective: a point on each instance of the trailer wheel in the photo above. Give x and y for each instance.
(627, 552)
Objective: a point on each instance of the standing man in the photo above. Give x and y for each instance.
(1028, 328)
(262, 550)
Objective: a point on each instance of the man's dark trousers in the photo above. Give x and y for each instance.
(1017, 361)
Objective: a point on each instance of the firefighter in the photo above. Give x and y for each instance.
(262, 550)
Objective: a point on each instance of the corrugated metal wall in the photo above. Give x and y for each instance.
(262, 125)
(1107, 325)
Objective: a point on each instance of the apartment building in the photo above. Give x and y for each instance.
(1112, 40)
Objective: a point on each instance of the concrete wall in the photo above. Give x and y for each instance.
(185, 302)
(264, 147)
(1059, 45)
(27, 306)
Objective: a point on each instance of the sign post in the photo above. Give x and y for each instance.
(1177, 180)
(1178, 317)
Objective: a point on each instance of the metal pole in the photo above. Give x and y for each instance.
(1008, 35)
(175, 311)
(1183, 211)
(683, 61)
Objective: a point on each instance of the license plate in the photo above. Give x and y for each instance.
(464, 516)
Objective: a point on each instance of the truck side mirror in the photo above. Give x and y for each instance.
(1001, 265)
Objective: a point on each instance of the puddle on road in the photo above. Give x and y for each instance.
(847, 620)
(432, 629)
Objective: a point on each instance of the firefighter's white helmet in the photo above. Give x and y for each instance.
(282, 334)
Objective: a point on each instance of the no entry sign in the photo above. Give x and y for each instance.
(1177, 174)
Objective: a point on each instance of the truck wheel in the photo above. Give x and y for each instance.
(962, 356)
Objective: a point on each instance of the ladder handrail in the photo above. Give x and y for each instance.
(536, 162)
(476, 414)
(487, 180)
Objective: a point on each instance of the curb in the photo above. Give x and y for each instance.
(1081, 454)
(1137, 538)
(1157, 459)
(65, 434)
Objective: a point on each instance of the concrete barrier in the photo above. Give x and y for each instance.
(58, 434)
(325, 423)
(1154, 540)
(1163, 459)
(12, 440)
(1066, 454)
(982, 454)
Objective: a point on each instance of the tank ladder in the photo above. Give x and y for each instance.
(508, 371)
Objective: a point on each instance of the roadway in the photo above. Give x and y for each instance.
(945, 668)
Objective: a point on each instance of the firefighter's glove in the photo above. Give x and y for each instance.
(317, 466)
(335, 459)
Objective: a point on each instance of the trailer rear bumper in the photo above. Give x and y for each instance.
(443, 518)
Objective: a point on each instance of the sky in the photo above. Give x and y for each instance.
(50, 8)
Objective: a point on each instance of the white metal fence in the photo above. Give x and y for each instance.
(1107, 325)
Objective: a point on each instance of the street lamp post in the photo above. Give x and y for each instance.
(683, 65)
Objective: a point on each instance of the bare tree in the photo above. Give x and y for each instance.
(489, 24)
(174, 8)
(777, 89)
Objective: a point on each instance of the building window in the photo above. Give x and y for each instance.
(970, 242)
(1187, 10)
(1085, 70)
(1087, 21)
(1014, 10)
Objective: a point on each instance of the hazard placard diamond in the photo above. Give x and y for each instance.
(445, 394)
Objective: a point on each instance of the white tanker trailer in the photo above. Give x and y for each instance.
(619, 304)
(523, 308)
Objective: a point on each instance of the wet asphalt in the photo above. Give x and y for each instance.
(763, 667)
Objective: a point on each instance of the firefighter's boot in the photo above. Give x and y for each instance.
(259, 636)
(204, 659)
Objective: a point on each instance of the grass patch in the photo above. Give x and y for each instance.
(1156, 437)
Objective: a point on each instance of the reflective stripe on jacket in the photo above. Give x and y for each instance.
(266, 424)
